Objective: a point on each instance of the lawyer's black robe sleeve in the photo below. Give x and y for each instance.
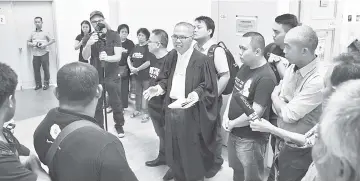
(208, 102)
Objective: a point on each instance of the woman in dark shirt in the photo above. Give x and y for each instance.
(127, 44)
(82, 38)
(139, 63)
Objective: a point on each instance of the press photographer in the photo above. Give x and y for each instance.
(104, 50)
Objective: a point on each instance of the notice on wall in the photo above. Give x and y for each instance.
(324, 3)
(245, 24)
(320, 50)
(2, 19)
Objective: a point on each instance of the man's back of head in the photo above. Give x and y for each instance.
(8, 83)
(77, 84)
(340, 135)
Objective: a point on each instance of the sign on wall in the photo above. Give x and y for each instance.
(245, 24)
(2, 19)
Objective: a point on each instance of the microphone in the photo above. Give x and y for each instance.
(246, 107)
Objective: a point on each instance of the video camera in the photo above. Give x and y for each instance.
(99, 31)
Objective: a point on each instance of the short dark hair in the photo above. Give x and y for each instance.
(77, 83)
(348, 68)
(164, 38)
(288, 20)
(257, 40)
(122, 26)
(209, 23)
(38, 17)
(8, 82)
(144, 31)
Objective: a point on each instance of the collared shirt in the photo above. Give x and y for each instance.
(178, 87)
(302, 89)
(220, 59)
(42, 37)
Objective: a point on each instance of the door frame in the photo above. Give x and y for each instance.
(295, 8)
(55, 35)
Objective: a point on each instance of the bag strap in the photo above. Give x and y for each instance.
(63, 134)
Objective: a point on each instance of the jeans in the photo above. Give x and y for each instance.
(43, 61)
(140, 102)
(246, 157)
(112, 86)
(125, 91)
(160, 131)
(293, 162)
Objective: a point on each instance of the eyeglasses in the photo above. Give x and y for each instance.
(182, 38)
(98, 21)
(149, 41)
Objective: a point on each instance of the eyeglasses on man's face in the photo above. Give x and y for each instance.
(180, 37)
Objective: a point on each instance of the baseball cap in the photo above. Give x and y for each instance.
(99, 13)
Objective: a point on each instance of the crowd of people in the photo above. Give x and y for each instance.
(311, 119)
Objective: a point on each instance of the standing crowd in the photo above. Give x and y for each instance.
(310, 119)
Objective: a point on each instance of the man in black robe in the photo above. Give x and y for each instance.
(189, 132)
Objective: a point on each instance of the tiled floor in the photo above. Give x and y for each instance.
(140, 142)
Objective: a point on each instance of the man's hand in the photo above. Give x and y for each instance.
(103, 56)
(123, 50)
(42, 46)
(261, 126)
(134, 70)
(227, 124)
(152, 92)
(93, 38)
(276, 91)
(193, 96)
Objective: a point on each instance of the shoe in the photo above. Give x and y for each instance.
(155, 163)
(145, 119)
(169, 175)
(120, 132)
(212, 172)
(46, 87)
(136, 113)
(38, 87)
(109, 110)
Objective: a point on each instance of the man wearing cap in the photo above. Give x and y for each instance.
(104, 50)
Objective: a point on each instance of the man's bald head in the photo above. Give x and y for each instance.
(303, 35)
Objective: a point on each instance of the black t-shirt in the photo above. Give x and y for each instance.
(156, 103)
(111, 68)
(256, 85)
(140, 55)
(86, 155)
(128, 45)
(79, 38)
(11, 168)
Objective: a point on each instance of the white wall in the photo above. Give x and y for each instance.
(68, 16)
(163, 14)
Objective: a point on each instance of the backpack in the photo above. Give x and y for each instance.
(233, 67)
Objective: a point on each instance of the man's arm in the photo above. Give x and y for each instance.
(267, 127)
(12, 169)
(145, 65)
(308, 99)
(50, 39)
(262, 96)
(244, 120)
(117, 49)
(112, 164)
(222, 68)
(30, 42)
